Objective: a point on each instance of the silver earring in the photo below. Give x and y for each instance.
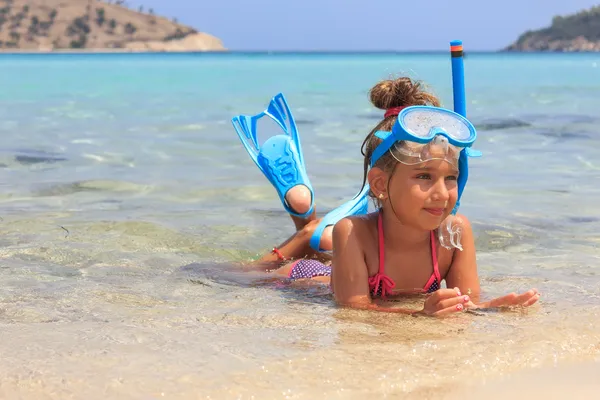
(380, 196)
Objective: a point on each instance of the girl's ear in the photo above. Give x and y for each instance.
(378, 180)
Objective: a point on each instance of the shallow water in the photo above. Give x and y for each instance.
(127, 200)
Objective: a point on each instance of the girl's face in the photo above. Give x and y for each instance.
(424, 194)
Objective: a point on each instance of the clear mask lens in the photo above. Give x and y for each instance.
(421, 122)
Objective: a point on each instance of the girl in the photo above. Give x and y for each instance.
(412, 242)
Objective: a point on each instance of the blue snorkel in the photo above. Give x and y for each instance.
(458, 77)
(413, 125)
(460, 107)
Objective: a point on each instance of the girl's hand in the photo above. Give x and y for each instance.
(511, 300)
(444, 302)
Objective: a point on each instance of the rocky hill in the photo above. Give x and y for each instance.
(576, 32)
(50, 25)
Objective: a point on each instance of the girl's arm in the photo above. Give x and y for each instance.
(463, 274)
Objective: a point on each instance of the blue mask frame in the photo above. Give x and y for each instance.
(401, 132)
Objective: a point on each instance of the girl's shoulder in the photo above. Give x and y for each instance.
(360, 230)
(358, 225)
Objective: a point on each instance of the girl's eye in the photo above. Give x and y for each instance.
(452, 177)
(424, 176)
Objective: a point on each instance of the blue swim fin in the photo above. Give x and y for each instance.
(280, 158)
(357, 206)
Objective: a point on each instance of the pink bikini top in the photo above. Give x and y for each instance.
(381, 285)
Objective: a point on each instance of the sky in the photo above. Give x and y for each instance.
(355, 25)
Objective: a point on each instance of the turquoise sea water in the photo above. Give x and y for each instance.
(126, 196)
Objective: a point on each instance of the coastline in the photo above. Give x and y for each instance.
(284, 52)
(103, 51)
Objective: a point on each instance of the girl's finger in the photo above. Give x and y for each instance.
(512, 299)
(525, 297)
(452, 302)
(442, 294)
(532, 300)
(449, 310)
(470, 304)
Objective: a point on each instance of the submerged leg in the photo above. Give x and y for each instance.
(295, 247)
(299, 199)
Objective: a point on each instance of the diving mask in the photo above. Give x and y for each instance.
(423, 133)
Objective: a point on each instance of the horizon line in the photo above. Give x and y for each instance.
(277, 52)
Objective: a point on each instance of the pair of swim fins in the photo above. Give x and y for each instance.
(281, 160)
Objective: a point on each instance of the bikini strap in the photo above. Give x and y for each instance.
(380, 280)
(381, 243)
(436, 269)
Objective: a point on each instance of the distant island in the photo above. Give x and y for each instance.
(578, 32)
(93, 25)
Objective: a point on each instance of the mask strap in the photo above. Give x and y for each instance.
(387, 141)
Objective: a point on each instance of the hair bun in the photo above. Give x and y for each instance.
(400, 92)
